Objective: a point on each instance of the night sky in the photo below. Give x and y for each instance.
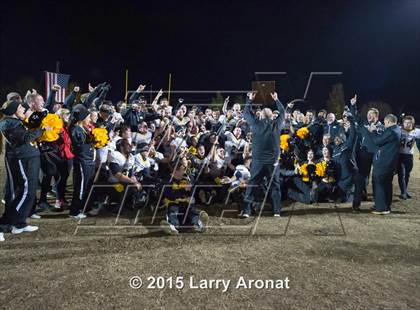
(219, 45)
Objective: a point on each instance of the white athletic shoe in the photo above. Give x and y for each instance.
(30, 228)
(27, 228)
(35, 216)
(16, 231)
(245, 216)
(79, 216)
(381, 212)
(168, 228)
(1, 237)
(276, 215)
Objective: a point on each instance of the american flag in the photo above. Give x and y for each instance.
(56, 78)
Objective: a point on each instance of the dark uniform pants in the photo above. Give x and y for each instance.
(83, 175)
(382, 190)
(258, 172)
(64, 167)
(405, 165)
(303, 192)
(22, 183)
(361, 178)
(364, 163)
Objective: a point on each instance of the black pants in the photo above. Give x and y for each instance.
(45, 187)
(405, 165)
(9, 194)
(364, 163)
(62, 173)
(382, 190)
(361, 177)
(49, 168)
(83, 174)
(302, 193)
(22, 183)
(258, 172)
(8, 186)
(64, 167)
(327, 191)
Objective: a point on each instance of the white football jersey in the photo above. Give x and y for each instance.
(408, 139)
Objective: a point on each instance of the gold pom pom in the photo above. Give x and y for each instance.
(284, 142)
(56, 124)
(100, 135)
(321, 168)
(302, 132)
(119, 187)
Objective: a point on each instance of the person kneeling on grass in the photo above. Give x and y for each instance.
(180, 210)
(305, 181)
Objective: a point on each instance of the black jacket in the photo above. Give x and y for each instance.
(363, 143)
(20, 141)
(265, 134)
(82, 145)
(343, 157)
(385, 159)
(133, 118)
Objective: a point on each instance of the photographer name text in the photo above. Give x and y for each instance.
(191, 282)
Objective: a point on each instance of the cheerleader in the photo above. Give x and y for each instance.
(304, 191)
(66, 159)
(50, 160)
(409, 135)
(327, 170)
(22, 165)
(83, 162)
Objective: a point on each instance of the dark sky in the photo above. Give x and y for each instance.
(218, 45)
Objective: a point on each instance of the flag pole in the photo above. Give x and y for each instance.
(169, 89)
(57, 66)
(126, 85)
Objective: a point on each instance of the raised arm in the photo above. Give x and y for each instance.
(93, 94)
(248, 115)
(354, 111)
(49, 104)
(280, 108)
(104, 92)
(136, 95)
(351, 136)
(156, 100)
(69, 101)
(213, 150)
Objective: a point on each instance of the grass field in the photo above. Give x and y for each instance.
(334, 258)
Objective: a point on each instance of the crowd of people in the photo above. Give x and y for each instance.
(157, 155)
